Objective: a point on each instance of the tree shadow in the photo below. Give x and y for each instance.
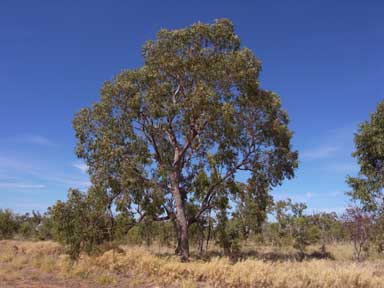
(270, 256)
(277, 256)
(256, 253)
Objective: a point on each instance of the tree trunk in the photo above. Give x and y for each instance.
(178, 244)
(201, 239)
(112, 224)
(182, 222)
(184, 243)
(209, 230)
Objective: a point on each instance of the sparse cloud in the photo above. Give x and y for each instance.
(336, 193)
(335, 143)
(15, 185)
(11, 163)
(310, 195)
(337, 210)
(75, 183)
(342, 167)
(67, 180)
(296, 197)
(81, 166)
(37, 139)
(33, 139)
(324, 195)
(319, 152)
(14, 168)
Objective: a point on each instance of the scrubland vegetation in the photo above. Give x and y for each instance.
(324, 254)
(165, 147)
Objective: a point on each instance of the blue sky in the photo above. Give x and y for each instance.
(324, 58)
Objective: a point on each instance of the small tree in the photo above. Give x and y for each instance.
(8, 224)
(329, 226)
(253, 203)
(81, 222)
(377, 232)
(358, 223)
(35, 226)
(292, 226)
(281, 230)
(368, 186)
(301, 230)
(227, 234)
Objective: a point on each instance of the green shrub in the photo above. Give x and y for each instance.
(81, 222)
(8, 224)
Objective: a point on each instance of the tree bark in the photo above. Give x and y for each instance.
(201, 239)
(112, 224)
(178, 244)
(209, 230)
(182, 222)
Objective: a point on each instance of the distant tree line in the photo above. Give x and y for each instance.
(32, 226)
(82, 224)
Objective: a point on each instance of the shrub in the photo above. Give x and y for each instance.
(8, 224)
(81, 223)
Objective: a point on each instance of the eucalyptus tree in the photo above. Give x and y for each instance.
(368, 186)
(167, 139)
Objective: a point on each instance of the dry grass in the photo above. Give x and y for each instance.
(8, 275)
(142, 267)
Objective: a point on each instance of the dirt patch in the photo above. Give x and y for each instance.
(27, 277)
(33, 278)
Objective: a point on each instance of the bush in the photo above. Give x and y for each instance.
(8, 224)
(359, 224)
(81, 223)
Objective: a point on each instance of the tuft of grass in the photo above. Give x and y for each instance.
(188, 283)
(105, 279)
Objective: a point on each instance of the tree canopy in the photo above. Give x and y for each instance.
(166, 140)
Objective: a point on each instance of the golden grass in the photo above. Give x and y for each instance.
(142, 267)
(105, 279)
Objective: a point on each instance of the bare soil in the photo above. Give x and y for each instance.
(33, 278)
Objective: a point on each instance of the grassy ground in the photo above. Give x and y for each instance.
(44, 264)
